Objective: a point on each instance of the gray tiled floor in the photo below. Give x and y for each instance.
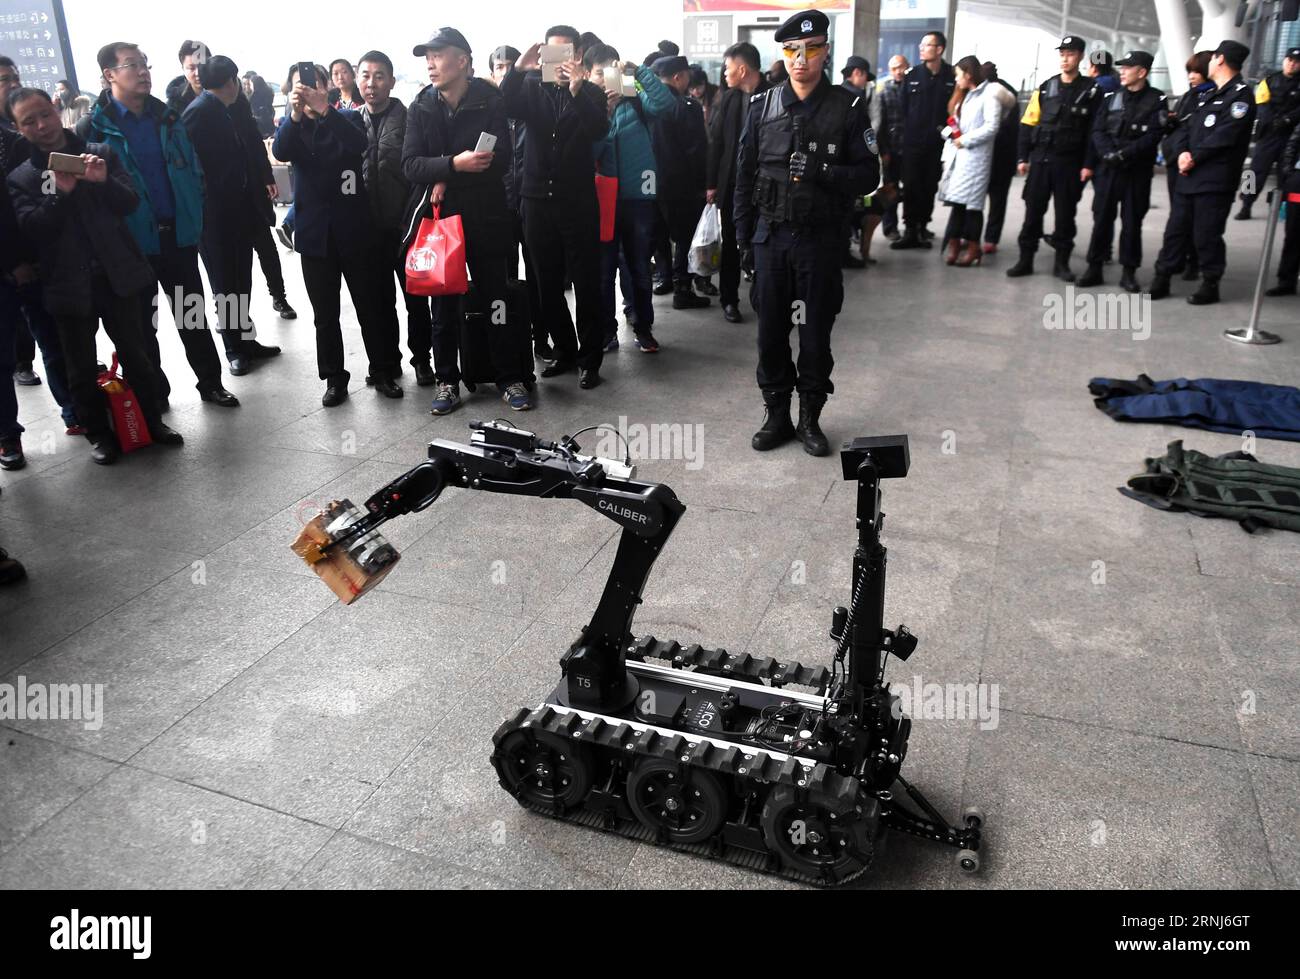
(258, 734)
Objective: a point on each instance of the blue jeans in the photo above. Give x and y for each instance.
(634, 225)
(18, 303)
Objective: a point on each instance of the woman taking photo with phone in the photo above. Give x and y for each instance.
(974, 115)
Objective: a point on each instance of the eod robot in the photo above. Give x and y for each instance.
(762, 762)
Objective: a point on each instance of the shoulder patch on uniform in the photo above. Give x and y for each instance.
(870, 137)
(1239, 110)
(1210, 120)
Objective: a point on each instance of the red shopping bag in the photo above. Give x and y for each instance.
(435, 262)
(607, 194)
(128, 419)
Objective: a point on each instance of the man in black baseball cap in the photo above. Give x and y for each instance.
(865, 217)
(856, 71)
(1278, 98)
(443, 37)
(1121, 155)
(806, 152)
(1208, 150)
(1053, 141)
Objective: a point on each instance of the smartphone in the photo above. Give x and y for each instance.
(307, 73)
(616, 81)
(67, 163)
(552, 55)
(487, 143)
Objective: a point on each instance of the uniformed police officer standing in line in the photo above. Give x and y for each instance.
(1054, 134)
(806, 151)
(1211, 147)
(923, 99)
(1278, 100)
(1126, 135)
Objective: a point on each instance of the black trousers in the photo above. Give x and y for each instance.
(921, 169)
(1263, 161)
(123, 319)
(365, 273)
(564, 239)
(519, 248)
(177, 270)
(798, 282)
(964, 223)
(1196, 220)
(24, 344)
(227, 251)
(1288, 268)
(268, 256)
(1056, 180)
(999, 191)
(1126, 193)
(487, 268)
(681, 215)
(729, 272)
(419, 318)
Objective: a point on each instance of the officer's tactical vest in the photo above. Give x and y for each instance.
(776, 196)
(1126, 132)
(1235, 485)
(1063, 115)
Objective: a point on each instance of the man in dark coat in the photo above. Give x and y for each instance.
(92, 267)
(443, 129)
(745, 79)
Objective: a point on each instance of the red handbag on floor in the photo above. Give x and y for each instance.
(435, 262)
(128, 419)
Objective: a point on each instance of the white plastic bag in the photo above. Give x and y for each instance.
(706, 246)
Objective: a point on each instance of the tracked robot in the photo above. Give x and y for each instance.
(766, 763)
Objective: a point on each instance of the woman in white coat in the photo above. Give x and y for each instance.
(965, 182)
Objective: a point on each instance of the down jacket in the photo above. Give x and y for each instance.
(966, 174)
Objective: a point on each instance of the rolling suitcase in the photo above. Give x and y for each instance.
(475, 354)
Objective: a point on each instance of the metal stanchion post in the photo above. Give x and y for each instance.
(1250, 334)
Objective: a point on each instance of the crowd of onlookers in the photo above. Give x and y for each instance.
(590, 169)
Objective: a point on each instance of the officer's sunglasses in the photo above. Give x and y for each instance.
(797, 48)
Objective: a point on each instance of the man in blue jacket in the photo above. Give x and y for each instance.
(155, 151)
(336, 237)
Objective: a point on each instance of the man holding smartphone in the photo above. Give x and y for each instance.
(92, 267)
(561, 212)
(336, 235)
(452, 131)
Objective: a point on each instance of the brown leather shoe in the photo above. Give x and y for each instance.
(970, 255)
(954, 248)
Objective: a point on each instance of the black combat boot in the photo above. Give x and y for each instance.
(1092, 276)
(1023, 267)
(777, 428)
(1061, 268)
(1129, 280)
(1159, 286)
(809, 432)
(1207, 294)
(1244, 213)
(684, 297)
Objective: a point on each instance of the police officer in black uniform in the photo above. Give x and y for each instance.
(923, 99)
(1054, 135)
(1278, 100)
(1126, 135)
(1210, 149)
(806, 151)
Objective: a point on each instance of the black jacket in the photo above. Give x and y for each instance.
(923, 107)
(262, 107)
(725, 125)
(1142, 126)
(227, 202)
(386, 184)
(434, 135)
(1217, 134)
(11, 240)
(257, 163)
(681, 145)
(180, 94)
(80, 233)
(558, 160)
(330, 200)
(515, 166)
